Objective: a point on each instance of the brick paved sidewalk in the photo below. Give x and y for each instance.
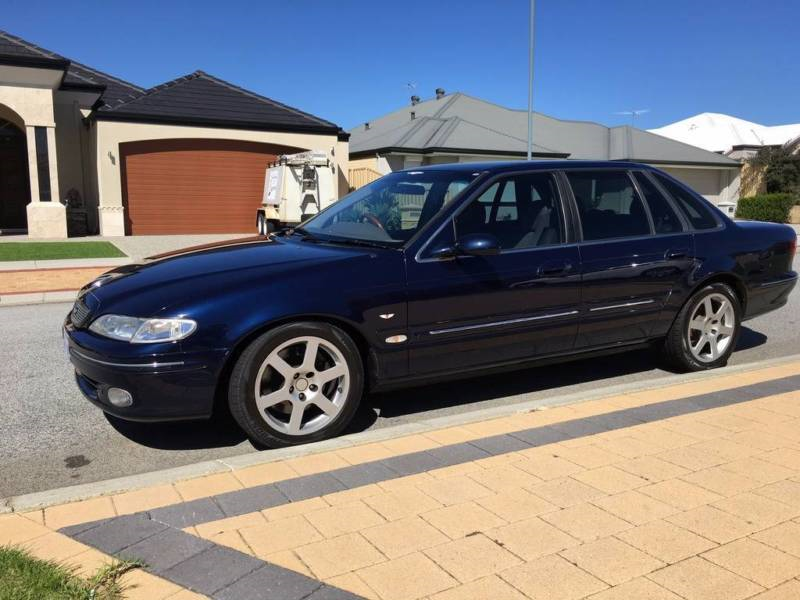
(688, 491)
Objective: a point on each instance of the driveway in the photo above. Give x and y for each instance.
(52, 437)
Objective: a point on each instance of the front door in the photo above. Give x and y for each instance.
(473, 311)
(632, 255)
(14, 186)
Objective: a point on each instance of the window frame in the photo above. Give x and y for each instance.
(685, 225)
(712, 210)
(576, 212)
(566, 221)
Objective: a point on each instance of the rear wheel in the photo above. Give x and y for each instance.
(295, 384)
(705, 331)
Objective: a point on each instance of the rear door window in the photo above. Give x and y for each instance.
(608, 205)
(693, 208)
(665, 219)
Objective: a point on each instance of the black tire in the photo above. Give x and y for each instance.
(676, 345)
(241, 389)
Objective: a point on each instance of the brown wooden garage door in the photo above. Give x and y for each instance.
(194, 186)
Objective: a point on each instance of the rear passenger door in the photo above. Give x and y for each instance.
(634, 249)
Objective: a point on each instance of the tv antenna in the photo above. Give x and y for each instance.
(633, 114)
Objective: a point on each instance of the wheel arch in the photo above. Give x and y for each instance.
(220, 394)
(730, 279)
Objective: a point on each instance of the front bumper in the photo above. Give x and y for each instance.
(165, 387)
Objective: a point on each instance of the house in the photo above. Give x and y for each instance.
(461, 128)
(728, 135)
(186, 156)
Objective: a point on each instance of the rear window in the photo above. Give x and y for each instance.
(665, 220)
(608, 204)
(698, 214)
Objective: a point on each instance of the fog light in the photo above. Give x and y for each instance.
(119, 397)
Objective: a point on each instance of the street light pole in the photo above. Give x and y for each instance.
(530, 86)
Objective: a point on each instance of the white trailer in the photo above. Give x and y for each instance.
(296, 187)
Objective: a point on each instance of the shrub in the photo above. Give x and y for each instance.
(766, 207)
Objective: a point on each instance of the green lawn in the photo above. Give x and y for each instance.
(23, 577)
(53, 250)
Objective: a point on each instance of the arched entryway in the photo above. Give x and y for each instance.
(15, 193)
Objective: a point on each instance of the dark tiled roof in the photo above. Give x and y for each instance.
(114, 90)
(200, 98)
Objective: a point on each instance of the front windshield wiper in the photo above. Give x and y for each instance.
(357, 242)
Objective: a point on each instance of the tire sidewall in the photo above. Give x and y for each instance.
(694, 301)
(241, 397)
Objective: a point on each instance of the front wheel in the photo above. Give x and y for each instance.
(706, 329)
(297, 383)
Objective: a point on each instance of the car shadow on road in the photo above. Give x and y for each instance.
(222, 431)
(517, 383)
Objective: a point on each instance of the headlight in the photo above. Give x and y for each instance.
(142, 331)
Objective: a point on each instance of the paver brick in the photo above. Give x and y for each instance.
(461, 519)
(490, 587)
(166, 549)
(698, 579)
(270, 581)
(636, 589)
(547, 466)
(413, 463)
(610, 480)
(54, 546)
(340, 555)
(566, 491)
(760, 470)
(785, 536)
(455, 454)
(117, 534)
(285, 534)
(721, 481)
(755, 561)
(293, 509)
(309, 486)
(666, 541)
(635, 507)
(140, 585)
(64, 515)
(786, 591)
(713, 524)
(212, 570)
(756, 509)
(454, 490)
(680, 494)
(210, 485)
(516, 504)
(532, 538)
(264, 474)
(188, 514)
(401, 503)
(344, 518)
(652, 469)
(589, 457)
(612, 560)
(249, 500)
(500, 444)
(145, 499)
(316, 463)
(393, 580)
(404, 536)
(786, 491)
(363, 474)
(472, 557)
(552, 578)
(586, 522)
(16, 529)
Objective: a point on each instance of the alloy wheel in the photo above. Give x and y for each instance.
(302, 385)
(711, 328)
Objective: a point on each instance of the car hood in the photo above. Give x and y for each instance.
(150, 288)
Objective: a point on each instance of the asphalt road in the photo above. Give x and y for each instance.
(51, 437)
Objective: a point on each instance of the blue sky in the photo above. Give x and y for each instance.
(350, 61)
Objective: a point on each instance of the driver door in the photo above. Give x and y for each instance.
(475, 311)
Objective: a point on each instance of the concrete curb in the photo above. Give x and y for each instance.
(516, 404)
(38, 297)
(66, 263)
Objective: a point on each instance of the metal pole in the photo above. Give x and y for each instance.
(530, 87)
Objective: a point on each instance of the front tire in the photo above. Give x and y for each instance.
(295, 384)
(706, 329)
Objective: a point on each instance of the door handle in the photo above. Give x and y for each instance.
(677, 253)
(554, 268)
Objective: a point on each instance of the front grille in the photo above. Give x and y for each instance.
(80, 313)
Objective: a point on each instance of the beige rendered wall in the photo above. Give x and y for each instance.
(34, 105)
(110, 134)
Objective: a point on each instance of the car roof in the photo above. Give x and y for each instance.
(530, 165)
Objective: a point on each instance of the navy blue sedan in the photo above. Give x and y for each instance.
(426, 274)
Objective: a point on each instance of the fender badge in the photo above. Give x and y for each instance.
(387, 315)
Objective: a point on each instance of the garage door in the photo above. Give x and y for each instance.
(194, 186)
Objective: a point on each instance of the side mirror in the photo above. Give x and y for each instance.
(478, 244)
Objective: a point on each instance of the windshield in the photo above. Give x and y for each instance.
(390, 210)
